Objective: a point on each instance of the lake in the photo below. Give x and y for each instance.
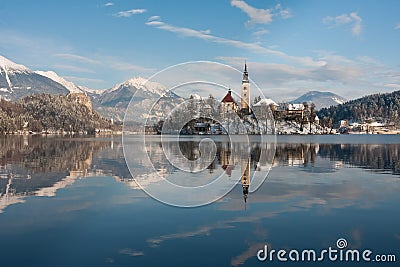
(72, 201)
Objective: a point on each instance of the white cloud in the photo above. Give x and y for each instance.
(128, 13)
(109, 4)
(124, 66)
(79, 80)
(208, 31)
(357, 27)
(261, 32)
(277, 75)
(73, 68)
(285, 13)
(259, 15)
(253, 47)
(155, 23)
(154, 18)
(349, 77)
(337, 21)
(393, 85)
(34, 47)
(397, 27)
(353, 18)
(77, 58)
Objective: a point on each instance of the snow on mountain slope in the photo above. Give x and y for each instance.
(114, 101)
(11, 67)
(7, 68)
(338, 100)
(266, 101)
(69, 85)
(90, 91)
(18, 81)
(142, 84)
(122, 93)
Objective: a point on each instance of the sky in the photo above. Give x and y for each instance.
(291, 47)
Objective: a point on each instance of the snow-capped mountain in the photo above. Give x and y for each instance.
(54, 76)
(122, 93)
(142, 84)
(11, 67)
(321, 99)
(18, 81)
(266, 102)
(114, 101)
(90, 91)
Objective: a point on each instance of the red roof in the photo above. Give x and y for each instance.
(228, 98)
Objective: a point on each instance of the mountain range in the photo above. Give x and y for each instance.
(114, 101)
(18, 81)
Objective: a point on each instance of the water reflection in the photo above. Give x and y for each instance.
(376, 157)
(324, 158)
(36, 165)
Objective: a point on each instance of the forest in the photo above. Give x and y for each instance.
(50, 114)
(377, 107)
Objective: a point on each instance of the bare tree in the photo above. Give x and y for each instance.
(312, 115)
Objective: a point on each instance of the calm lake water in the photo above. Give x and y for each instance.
(73, 202)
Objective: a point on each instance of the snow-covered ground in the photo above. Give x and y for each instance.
(291, 127)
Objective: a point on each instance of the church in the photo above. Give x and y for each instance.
(228, 104)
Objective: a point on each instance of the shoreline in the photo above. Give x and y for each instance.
(115, 133)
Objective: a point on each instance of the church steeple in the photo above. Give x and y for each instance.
(245, 73)
(245, 95)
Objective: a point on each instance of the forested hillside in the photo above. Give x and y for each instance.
(50, 113)
(381, 107)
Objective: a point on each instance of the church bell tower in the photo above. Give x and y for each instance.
(245, 95)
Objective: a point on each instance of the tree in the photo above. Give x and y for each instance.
(257, 99)
(312, 115)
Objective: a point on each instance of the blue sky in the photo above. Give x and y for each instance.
(348, 47)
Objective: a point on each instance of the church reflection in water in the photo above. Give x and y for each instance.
(245, 181)
(36, 165)
(230, 159)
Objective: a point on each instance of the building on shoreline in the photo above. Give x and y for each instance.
(228, 105)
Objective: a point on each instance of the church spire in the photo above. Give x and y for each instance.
(245, 95)
(245, 73)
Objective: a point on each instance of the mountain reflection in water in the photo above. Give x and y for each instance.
(40, 165)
